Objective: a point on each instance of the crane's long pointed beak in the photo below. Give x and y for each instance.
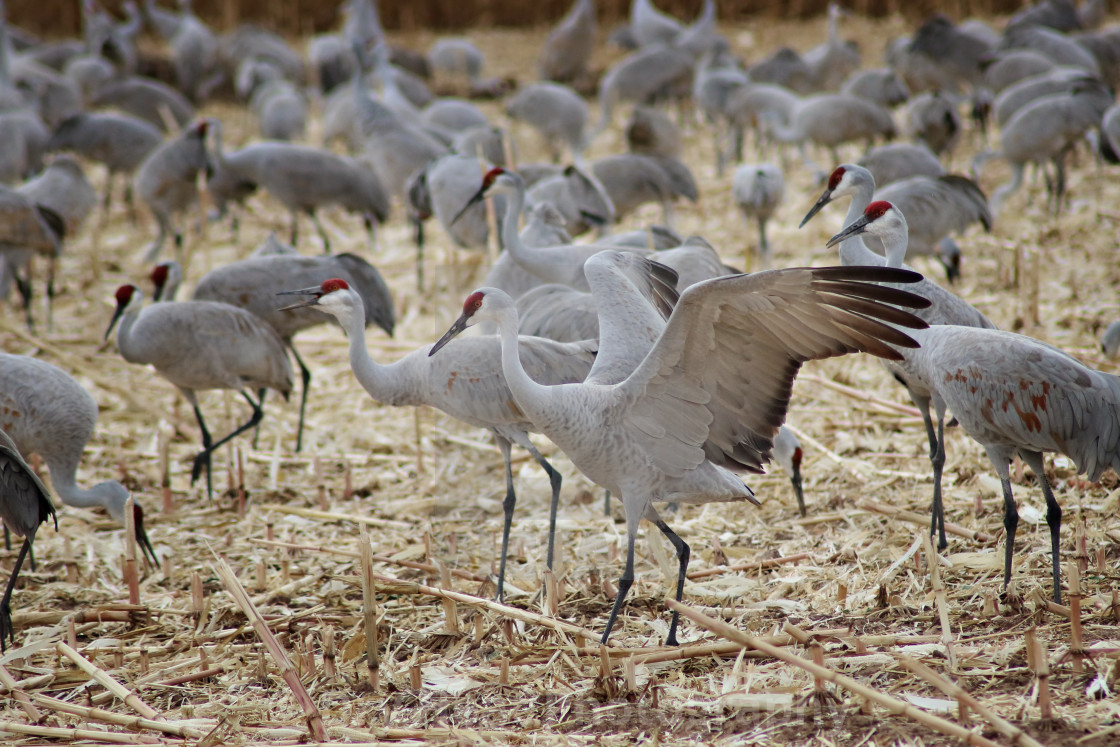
(824, 199)
(113, 322)
(853, 230)
(459, 325)
(798, 489)
(478, 197)
(315, 292)
(146, 548)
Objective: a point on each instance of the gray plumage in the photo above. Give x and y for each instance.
(937, 207)
(631, 180)
(894, 161)
(1054, 45)
(834, 60)
(120, 141)
(1015, 396)
(544, 227)
(579, 196)
(650, 132)
(492, 141)
(303, 178)
(45, 411)
(556, 112)
(758, 190)
(788, 454)
(24, 505)
(167, 182)
(567, 50)
(1012, 66)
(955, 52)
(456, 59)
(201, 345)
(881, 86)
(453, 115)
(830, 120)
(785, 68)
(25, 139)
(1021, 93)
(932, 120)
(146, 99)
(650, 74)
(194, 56)
(709, 395)
(650, 26)
(468, 385)
(452, 180)
(252, 284)
(1110, 340)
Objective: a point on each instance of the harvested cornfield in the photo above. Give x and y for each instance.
(258, 629)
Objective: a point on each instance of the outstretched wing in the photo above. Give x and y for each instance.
(717, 383)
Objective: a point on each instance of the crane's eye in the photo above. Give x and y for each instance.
(472, 303)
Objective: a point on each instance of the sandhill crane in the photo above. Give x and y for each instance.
(1103, 45)
(452, 180)
(1110, 134)
(194, 54)
(703, 35)
(788, 454)
(567, 50)
(146, 99)
(830, 63)
(758, 190)
(830, 120)
(879, 85)
(25, 504)
(557, 264)
(120, 141)
(45, 411)
(651, 26)
(954, 52)
(303, 178)
(1013, 395)
(670, 430)
(25, 139)
(468, 385)
(27, 228)
(544, 226)
(650, 131)
(456, 60)
(278, 104)
(167, 182)
(452, 116)
(1056, 14)
(932, 120)
(1011, 66)
(252, 284)
(784, 68)
(200, 345)
(718, 76)
(578, 195)
(936, 206)
(556, 112)
(749, 105)
(1054, 45)
(61, 188)
(945, 308)
(1110, 340)
(164, 22)
(633, 179)
(894, 161)
(651, 73)
(1045, 130)
(1013, 98)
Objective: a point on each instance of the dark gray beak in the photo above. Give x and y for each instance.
(478, 197)
(798, 490)
(824, 199)
(853, 230)
(314, 292)
(459, 325)
(113, 321)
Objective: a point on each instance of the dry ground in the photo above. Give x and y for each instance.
(439, 500)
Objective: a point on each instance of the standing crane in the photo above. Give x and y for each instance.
(788, 453)
(758, 190)
(167, 181)
(25, 504)
(1012, 394)
(199, 345)
(567, 50)
(467, 384)
(710, 394)
(252, 284)
(45, 411)
(557, 112)
(945, 308)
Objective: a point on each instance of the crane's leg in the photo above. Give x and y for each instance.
(7, 539)
(322, 232)
(554, 480)
(627, 578)
(52, 268)
(371, 231)
(922, 403)
(606, 503)
(6, 631)
(1053, 517)
(153, 250)
(305, 376)
(260, 401)
(207, 443)
(294, 238)
(763, 244)
(683, 553)
(23, 285)
(1000, 460)
(938, 510)
(507, 509)
(130, 201)
(1059, 181)
(203, 459)
(419, 254)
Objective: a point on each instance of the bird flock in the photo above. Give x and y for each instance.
(649, 358)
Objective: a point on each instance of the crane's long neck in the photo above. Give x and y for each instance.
(852, 250)
(390, 384)
(530, 396)
(894, 243)
(63, 479)
(130, 352)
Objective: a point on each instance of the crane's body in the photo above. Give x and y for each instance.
(469, 385)
(709, 395)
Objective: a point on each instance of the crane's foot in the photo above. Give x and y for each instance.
(7, 632)
(202, 461)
